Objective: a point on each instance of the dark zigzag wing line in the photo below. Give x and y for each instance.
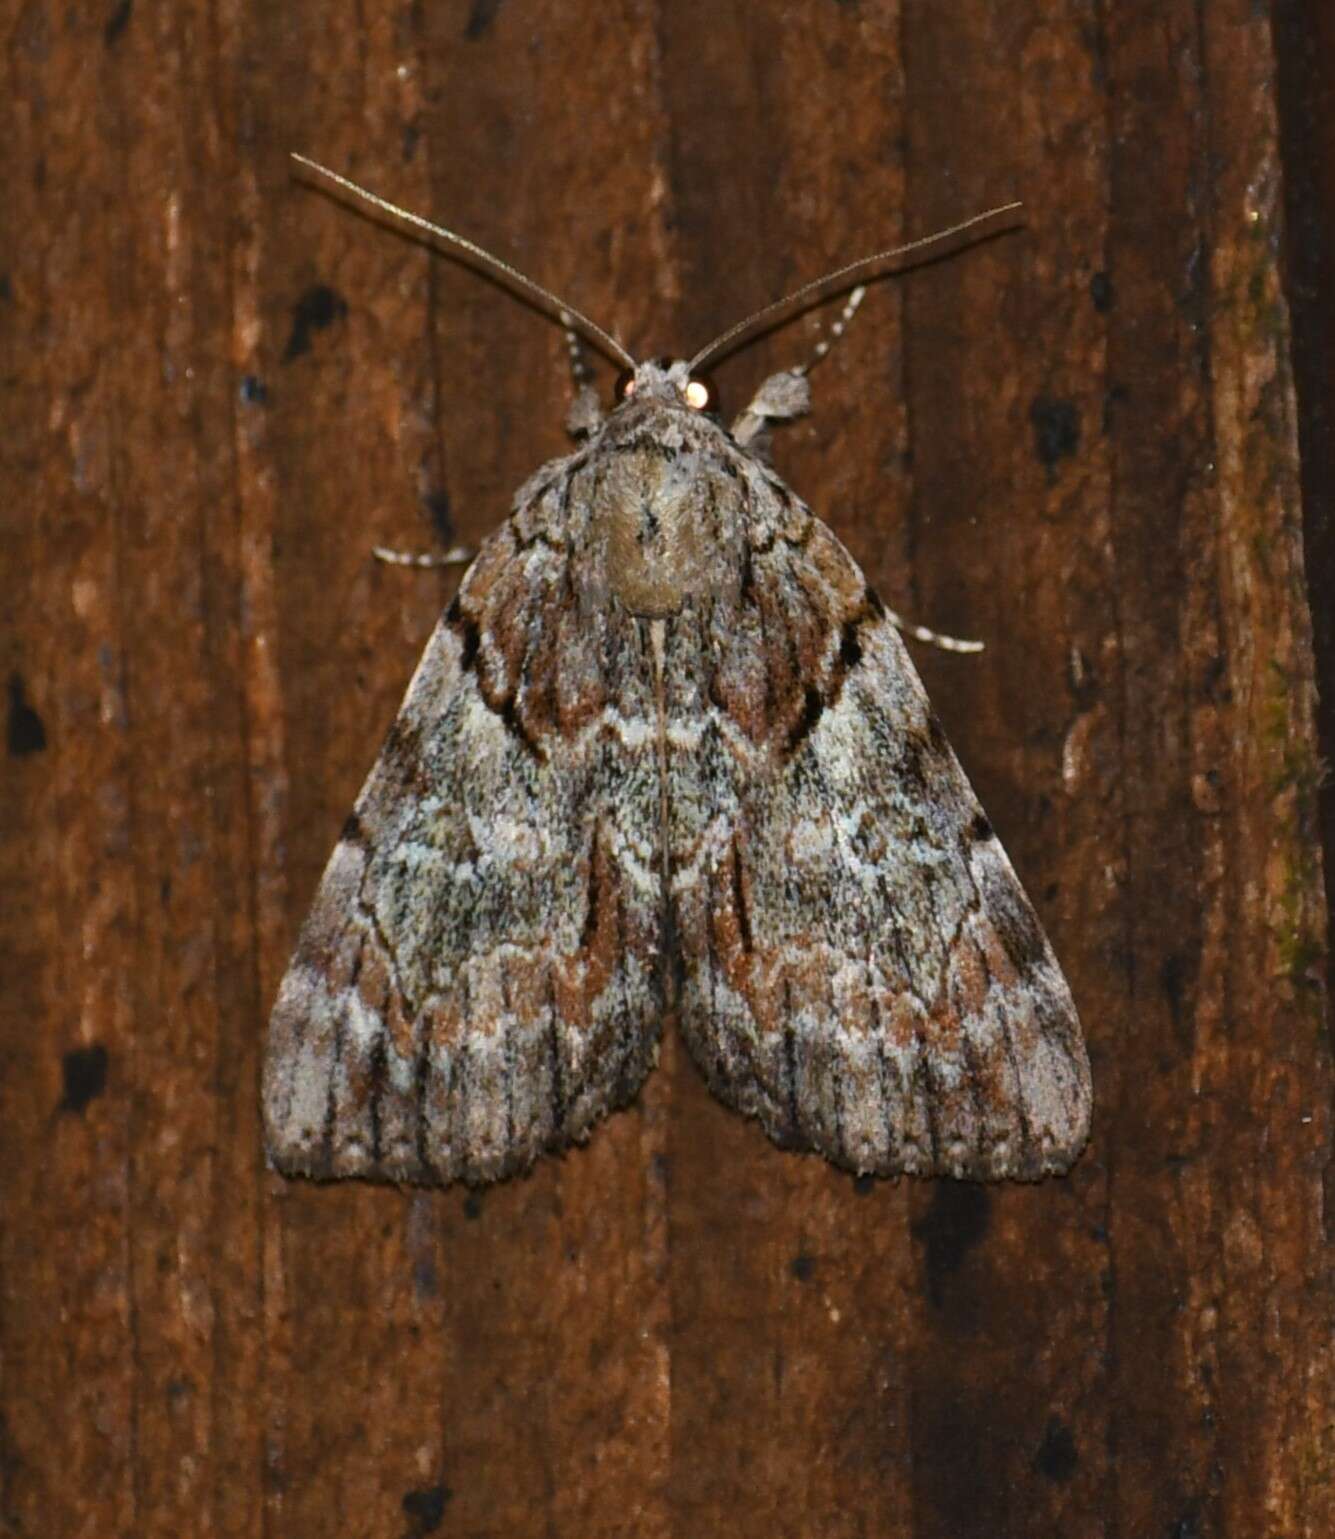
(864, 973)
(456, 1005)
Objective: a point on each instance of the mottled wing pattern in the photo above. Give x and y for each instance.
(663, 665)
(863, 972)
(479, 978)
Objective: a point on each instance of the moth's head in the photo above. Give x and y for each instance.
(669, 381)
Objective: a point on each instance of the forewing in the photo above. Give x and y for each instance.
(863, 971)
(479, 976)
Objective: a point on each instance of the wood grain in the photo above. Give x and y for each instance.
(1079, 442)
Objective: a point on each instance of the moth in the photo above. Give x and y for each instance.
(665, 754)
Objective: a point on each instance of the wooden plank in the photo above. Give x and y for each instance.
(1305, 54)
(1078, 442)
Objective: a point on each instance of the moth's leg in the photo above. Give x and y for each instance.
(837, 328)
(780, 397)
(585, 415)
(787, 395)
(457, 555)
(933, 638)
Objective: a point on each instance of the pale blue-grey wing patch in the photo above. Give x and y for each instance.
(479, 978)
(863, 971)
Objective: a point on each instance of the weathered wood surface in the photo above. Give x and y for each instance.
(1079, 442)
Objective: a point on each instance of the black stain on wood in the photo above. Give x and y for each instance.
(85, 1073)
(25, 732)
(949, 1230)
(319, 307)
(1057, 1458)
(1172, 980)
(437, 504)
(480, 19)
(1056, 425)
(425, 1509)
(117, 22)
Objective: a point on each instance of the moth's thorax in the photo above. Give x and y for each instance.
(655, 503)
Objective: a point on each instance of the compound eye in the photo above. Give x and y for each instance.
(701, 395)
(625, 387)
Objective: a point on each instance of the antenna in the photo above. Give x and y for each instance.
(568, 316)
(846, 276)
